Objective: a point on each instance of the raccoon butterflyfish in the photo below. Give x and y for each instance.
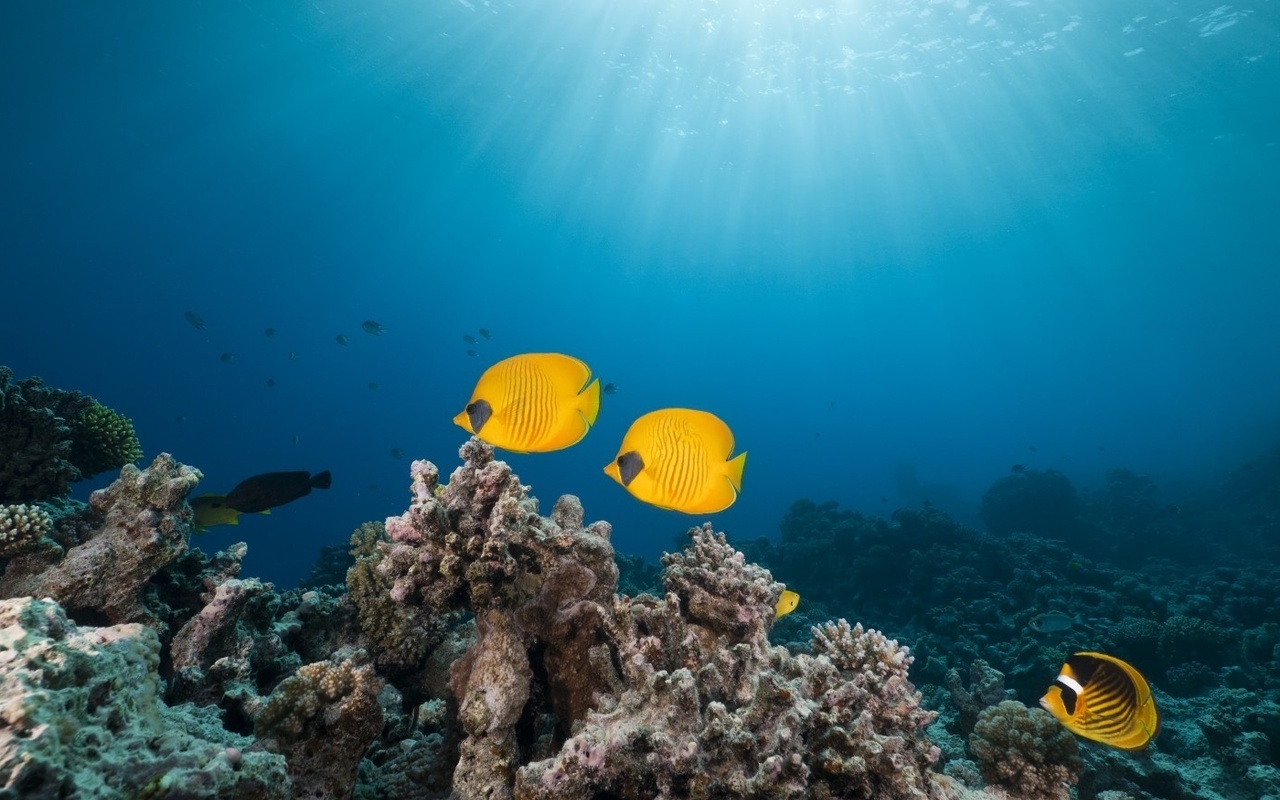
(533, 403)
(1102, 698)
(678, 459)
(786, 604)
(272, 489)
(210, 510)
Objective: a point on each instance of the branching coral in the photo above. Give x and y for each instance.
(21, 527)
(102, 439)
(50, 438)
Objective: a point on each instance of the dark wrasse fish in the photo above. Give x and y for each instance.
(272, 489)
(1102, 698)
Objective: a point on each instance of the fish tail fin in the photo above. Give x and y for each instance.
(589, 401)
(264, 511)
(735, 468)
(321, 480)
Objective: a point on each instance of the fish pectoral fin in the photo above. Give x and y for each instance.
(589, 402)
(734, 471)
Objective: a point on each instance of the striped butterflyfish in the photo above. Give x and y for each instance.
(533, 403)
(679, 459)
(1102, 698)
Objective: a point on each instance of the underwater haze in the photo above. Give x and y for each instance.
(897, 246)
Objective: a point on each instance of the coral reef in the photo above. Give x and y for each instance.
(480, 649)
(50, 438)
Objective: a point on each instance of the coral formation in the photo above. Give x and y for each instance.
(102, 439)
(323, 719)
(81, 716)
(1025, 752)
(21, 527)
(50, 438)
(142, 521)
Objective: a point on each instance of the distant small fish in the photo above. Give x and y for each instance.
(471, 353)
(1017, 468)
(1031, 447)
(1101, 448)
(272, 489)
(884, 499)
(270, 332)
(397, 453)
(1051, 622)
(373, 386)
(468, 338)
(194, 319)
(271, 383)
(610, 388)
(296, 438)
(786, 604)
(181, 418)
(373, 327)
(484, 332)
(371, 488)
(293, 356)
(1102, 698)
(228, 358)
(340, 339)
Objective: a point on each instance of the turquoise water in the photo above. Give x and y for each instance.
(879, 239)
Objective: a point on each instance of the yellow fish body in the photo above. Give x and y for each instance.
(678, 459)
(533, 403)
(1102, 698)
(210, 510)
(786, 604)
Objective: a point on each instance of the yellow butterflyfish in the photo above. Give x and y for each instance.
(1104, 699)
(678, 459)
(533, 403)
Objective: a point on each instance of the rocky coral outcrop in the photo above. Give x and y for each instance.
(141, 526)
(81, 716)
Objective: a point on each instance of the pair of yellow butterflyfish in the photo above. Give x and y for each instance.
(673, 458)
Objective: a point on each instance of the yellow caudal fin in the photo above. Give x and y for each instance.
(589, 402)
(734, 469)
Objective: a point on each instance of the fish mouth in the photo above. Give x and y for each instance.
(1044, 704)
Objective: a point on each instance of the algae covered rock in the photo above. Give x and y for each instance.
(81, 716)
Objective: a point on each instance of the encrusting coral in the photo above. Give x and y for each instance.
(1025, 752)
(80, 716)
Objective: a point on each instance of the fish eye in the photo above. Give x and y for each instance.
(619, 460)
(471, 408)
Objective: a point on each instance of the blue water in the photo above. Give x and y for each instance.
(876, 238)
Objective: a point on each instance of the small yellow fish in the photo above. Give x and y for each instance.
(786, 604)
(533, 403)
(1102, 698)
(678, 459)
(210, 510)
